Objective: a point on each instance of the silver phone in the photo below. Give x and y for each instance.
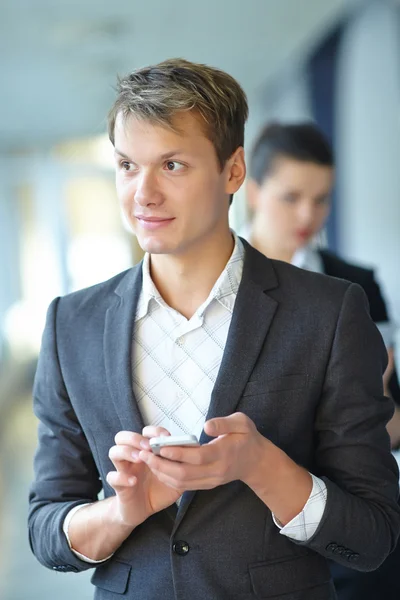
(156, 443)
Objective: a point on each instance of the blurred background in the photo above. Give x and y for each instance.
(334, 61)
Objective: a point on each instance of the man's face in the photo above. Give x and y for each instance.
(292, 202)
(170, 184)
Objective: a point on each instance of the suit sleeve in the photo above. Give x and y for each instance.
(361, 521)
(65, 474)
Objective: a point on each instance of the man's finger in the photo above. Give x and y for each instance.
(202, 455)
(176, 470)
(122, 456)
(151, 431)
(236, 423)
(128, 438)
(119, 481)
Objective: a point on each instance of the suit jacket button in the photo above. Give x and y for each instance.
(72, 569)
(331, 547)
(180, 547)
(339, 550)
(353, 557)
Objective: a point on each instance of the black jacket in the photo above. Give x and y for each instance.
(337, 267)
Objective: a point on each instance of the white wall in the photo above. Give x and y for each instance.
(368, 150)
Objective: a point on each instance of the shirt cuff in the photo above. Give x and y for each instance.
(66, 523)
(305, 524)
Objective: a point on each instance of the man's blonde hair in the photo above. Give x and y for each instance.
(159, 92)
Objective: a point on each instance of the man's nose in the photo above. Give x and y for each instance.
(147, 190)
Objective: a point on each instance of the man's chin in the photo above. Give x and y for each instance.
(154, 246)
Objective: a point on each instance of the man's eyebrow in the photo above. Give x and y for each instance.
(164, 156)
(171, 153)
(121, 154)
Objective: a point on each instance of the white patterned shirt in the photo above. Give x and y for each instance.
(175, 365)
(176, 360)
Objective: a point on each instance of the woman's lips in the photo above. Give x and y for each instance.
(303, 234)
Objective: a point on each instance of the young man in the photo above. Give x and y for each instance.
(277, 370)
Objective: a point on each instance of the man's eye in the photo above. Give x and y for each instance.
(173, 165)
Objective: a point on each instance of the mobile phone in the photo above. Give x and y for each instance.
(156, 443)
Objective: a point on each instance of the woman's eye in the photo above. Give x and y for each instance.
(173, 165)
(291, 198)
(126, 166)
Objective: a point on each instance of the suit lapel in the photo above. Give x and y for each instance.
(118, 331)
(251, 319)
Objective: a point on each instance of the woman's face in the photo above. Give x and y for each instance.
(292, 203)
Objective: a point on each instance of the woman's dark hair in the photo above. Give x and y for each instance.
(301, 141)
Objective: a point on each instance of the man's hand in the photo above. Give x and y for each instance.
(393, 428)
(97, 530)
(232, 455)
(238, 452)
(139, 492)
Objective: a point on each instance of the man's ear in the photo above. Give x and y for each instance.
(252, 194)
(236, 171)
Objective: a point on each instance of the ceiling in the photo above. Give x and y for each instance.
(59, 59)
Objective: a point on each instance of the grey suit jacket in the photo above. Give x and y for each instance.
(303, 360)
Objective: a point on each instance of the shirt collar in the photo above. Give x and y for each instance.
(224, 289)
(308, 258)
(149, 291)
